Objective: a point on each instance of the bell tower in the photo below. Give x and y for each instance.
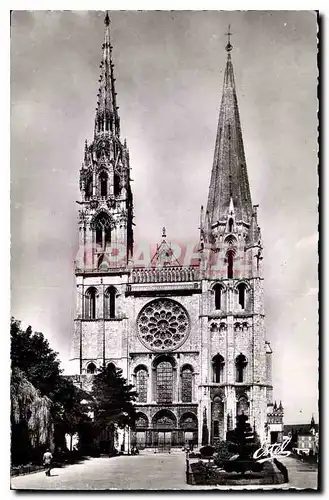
(105, 217)
(105, 224)
(235, 358)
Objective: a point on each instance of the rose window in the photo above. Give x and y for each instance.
(163, 325)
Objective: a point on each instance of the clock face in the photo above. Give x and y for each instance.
(163, 325)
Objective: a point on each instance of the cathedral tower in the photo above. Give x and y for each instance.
(235, 357)
(105, 223)
(106, 198)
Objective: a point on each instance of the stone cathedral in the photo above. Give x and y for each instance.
(190, 336)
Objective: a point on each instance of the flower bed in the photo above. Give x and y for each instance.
(210, 474)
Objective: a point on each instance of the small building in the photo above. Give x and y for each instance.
(275, 427)
(305, 437)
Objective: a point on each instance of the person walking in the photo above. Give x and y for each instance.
(47, 458)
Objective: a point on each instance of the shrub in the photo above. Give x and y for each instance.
(224, 451)
(207, 451)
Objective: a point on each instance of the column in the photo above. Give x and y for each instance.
(94, 183)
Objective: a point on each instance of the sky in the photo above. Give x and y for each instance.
(169, 68)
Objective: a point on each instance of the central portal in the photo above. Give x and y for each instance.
(164, 422)
(164, 440)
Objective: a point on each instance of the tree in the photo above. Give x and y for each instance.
(205, 432)
(243, 437)
(42, 398)
(31, 353)
(241, 443)
(69, 412)
(112, 401)
(31, 419)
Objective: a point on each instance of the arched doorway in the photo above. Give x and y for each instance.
(141, 426)
(164, 423)
(188, 429)
(217, 420)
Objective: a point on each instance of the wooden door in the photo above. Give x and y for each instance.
(167, 439)
(140, 440)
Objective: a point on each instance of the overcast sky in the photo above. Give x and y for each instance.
(169, 68)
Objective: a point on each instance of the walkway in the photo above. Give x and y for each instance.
(301, 474)
(148, 471)
(142, 472)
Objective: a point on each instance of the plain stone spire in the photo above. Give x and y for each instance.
(229, 178)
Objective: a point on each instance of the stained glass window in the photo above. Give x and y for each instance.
(89, 188)
(103, 183)
(187, 385)
(242, 295)
(109, 303)
(218, 296)
(230, 258)
(164, 382)
(163, 325)
(240, 364)
(103, 230)
(90, 303)
(91, 368)
(141, 385)
(218, 368)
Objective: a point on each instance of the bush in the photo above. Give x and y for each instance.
(236, 453)
(207, 451)
(242, 466)
(224, 451)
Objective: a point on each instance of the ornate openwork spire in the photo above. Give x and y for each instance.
(107, 120)
(229, 178)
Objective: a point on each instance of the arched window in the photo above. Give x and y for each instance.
(218, 291)
(242, 288)
(116, 185)
(90, 303)
(91, 368)
(242, 407)
(164, 382)
(103, 184)
(141, 384)
(89, 188)
(187, 384)
(218, 368)
(230, 225)
(240, 365)
(109, 303)
(230, 258)
(103, 230)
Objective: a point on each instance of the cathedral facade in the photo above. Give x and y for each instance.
(190, 336)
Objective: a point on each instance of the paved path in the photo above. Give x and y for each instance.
(301, 474)
(146, 471)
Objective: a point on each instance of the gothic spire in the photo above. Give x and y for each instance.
(107, 119)
(229, 178)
